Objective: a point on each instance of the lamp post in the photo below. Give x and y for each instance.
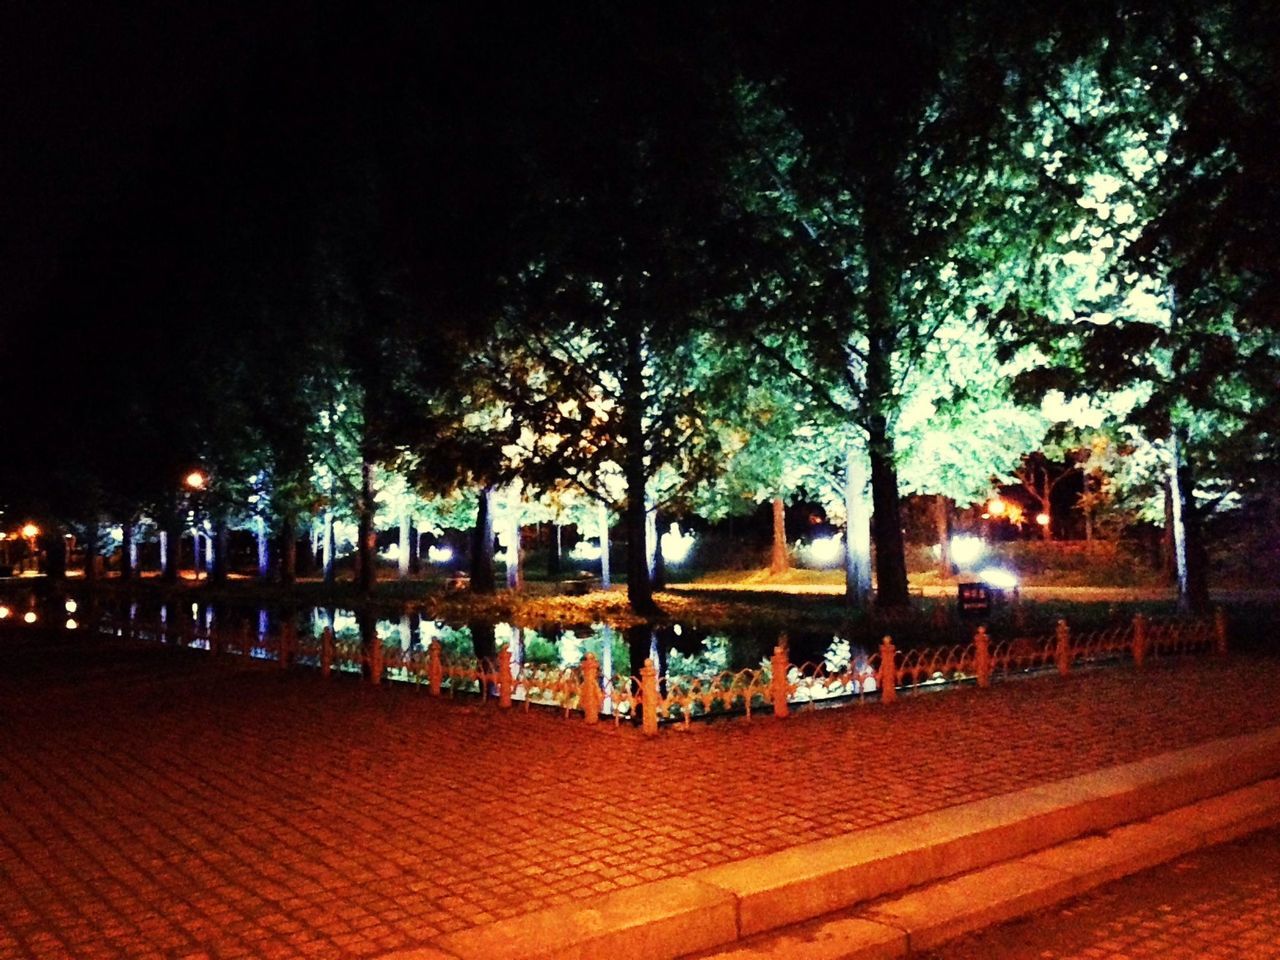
(196, 481)
(30, 531)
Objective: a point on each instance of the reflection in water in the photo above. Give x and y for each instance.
(675, 650)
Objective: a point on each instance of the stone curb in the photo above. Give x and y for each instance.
(929, 916)
(717, 906)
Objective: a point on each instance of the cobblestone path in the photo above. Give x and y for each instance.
(1221, 903)
(159, 803)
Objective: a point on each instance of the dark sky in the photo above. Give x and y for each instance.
(87, 91)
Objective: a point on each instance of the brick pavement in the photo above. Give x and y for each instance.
(1222, 902)
(155, 803)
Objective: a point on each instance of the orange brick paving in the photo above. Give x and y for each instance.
(1222, 903)
(158, 803)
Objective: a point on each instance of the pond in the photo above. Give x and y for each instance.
(677, 649)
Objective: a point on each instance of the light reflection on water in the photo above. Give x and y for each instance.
(676, 649)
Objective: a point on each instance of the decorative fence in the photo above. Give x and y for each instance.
(776, 685)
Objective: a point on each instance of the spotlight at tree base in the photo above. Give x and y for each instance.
(998, 577)
(996, 507)
(195, 480)
(966, 550)
(1042, 519)
(439, 554)
(31, 531)
(676, 545)
(29, 617)
(826, 551)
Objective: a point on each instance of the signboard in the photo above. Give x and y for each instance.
(974, 599)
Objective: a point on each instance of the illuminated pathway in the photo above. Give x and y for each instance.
(157, 804)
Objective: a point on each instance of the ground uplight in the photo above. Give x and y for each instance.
(999, 578)
(966, 550)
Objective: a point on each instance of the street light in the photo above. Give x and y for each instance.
(196, 480)
(30, 531)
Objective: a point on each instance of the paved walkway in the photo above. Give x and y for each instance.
(156, 803)
(1221, 902)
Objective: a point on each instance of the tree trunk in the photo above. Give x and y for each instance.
(659, 561)
(1189, 549)
(264, 553)
(886, 530)
(330, 547)
(604, 546)
(402, 557)
(221, 545)
(857, 533)
(779, 558)
(942, 521)
(554, 565)
(289, 548)
(55, 555)
(890, 554)
(92, 533)
(128, 559)
(635, 473)
(172, 546)
(368, 536)
(482, 545)
(415, 548)
(1168, 553)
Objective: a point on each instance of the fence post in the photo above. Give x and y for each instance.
(1139, 640)
(780, 666)
(649, 697)
(590, 697)
(1063, 652)
(888, 678)
(1220, 631)
(982, 656)
(435, 670)
(375, 658)
(326, 652)
(504, 677)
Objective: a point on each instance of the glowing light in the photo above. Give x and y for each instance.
(996, 507)
(966, 550)
(587, 550)
(998, 577)
(195, 480)
(1042, 519)
(71, 624)
(676, 545)
(31, 531)
(5, 612)
(29, 617)
(70, 606)
(826, 550)
(439, 554)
